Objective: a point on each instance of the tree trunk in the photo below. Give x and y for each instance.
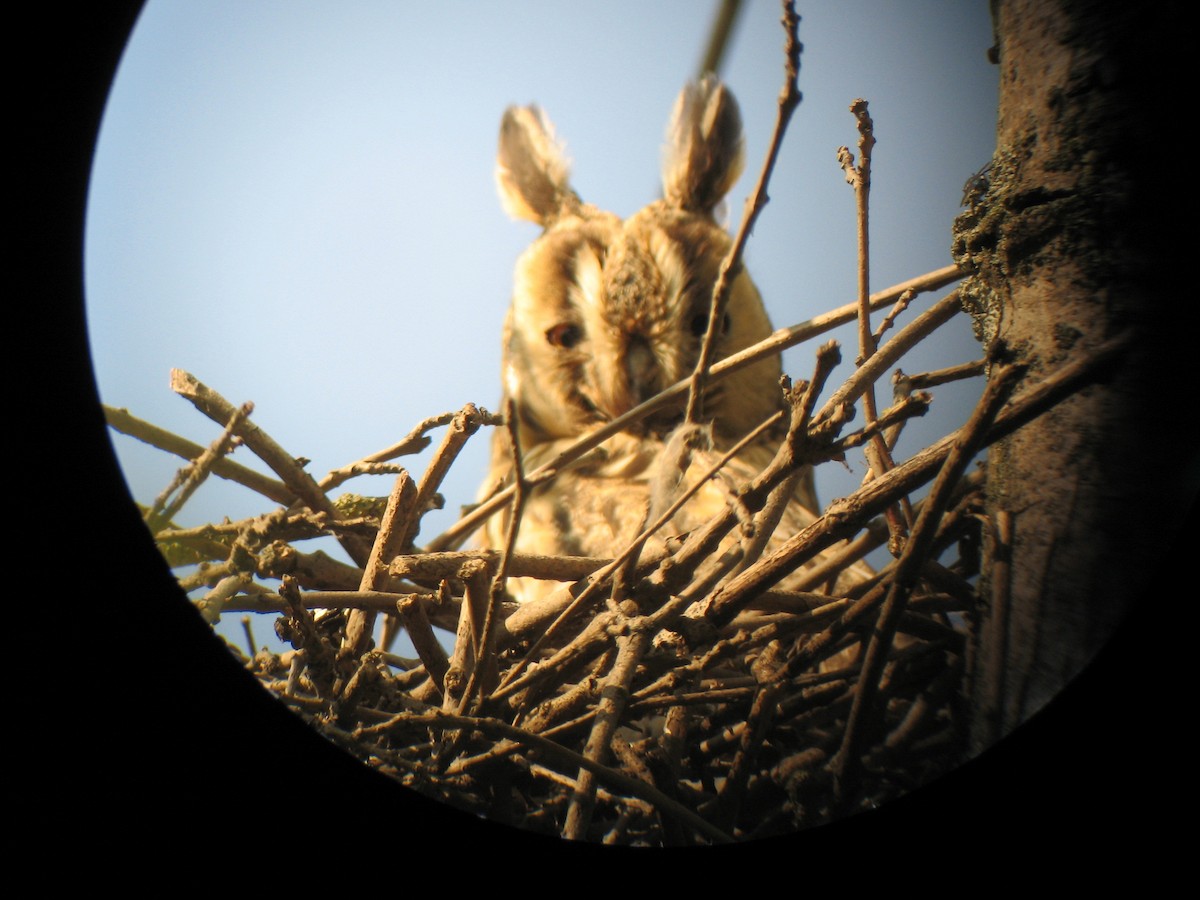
(1063, 233)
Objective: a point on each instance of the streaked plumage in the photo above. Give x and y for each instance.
(606, 313)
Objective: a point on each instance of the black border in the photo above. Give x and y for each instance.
(143, 733)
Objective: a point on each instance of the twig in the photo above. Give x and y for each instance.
(420, 632)
(593, 639)
(789, 99)
(315, 571)
(120, 420)
(901, 305)
(878, 455)
(191, 476)
(297, 525)
(464, 424)
(413, 442)
(392, 530)
(631, 647)
(249, 633)
(468, 655)
(718, 37)
(476, 686)
(859, 177)
(213, 604)
(372, 601)
(906, 338)
(758, 722)
(903, 385)
(906, 383)
(892, 417)
(319, 655)
(340, 476)
(423, 566)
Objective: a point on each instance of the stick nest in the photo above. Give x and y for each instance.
(672, 701)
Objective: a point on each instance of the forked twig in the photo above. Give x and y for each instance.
(121, 420)
(189, 478)
(413, 442)
(265, 448)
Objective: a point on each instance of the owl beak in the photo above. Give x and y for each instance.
(635, 379)
(641, 368)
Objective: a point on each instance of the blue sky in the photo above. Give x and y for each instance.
(294, 201)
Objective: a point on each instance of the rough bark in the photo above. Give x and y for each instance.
(1065, 234)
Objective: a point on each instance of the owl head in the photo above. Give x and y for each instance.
(607, 313)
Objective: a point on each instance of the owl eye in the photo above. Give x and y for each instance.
(699, 324)
(565, 335)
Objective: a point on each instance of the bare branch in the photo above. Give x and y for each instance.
(265, 448)
(731, 266)
(120, 420)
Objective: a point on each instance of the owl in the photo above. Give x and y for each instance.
(607, 313)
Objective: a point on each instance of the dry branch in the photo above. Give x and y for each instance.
(731, 265)
(121, 420)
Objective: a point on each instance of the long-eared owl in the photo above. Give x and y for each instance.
(607, 313)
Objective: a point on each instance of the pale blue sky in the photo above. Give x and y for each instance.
(294, 200)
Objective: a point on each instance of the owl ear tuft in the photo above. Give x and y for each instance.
(532, 172)
(704, 154)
